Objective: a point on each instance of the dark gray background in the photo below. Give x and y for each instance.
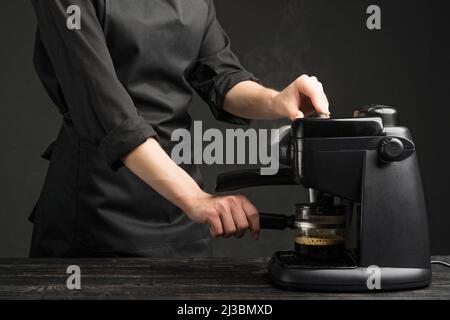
(403, 65)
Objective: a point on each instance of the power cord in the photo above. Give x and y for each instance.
(443, 263)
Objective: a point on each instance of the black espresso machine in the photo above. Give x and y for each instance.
(365, 224)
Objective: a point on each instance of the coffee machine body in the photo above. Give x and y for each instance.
(364, 168)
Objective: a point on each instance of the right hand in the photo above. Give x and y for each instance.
(226, 215)
(300, 98)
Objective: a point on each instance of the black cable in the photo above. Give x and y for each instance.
(443, 263)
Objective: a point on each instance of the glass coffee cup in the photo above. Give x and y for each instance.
(320, 231)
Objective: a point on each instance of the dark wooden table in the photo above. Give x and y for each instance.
(172, 279)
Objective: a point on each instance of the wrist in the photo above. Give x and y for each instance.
(275, 105)
(192, 199)
(271, 98)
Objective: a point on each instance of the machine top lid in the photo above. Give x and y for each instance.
(336, 128)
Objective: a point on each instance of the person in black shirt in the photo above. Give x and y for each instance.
(122, 83)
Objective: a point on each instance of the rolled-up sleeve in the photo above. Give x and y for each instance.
(99, 106)
(217, 69)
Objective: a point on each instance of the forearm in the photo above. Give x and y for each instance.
(228, 215)
(152, 165)
(251, 100)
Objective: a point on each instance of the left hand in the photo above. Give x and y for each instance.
(301, 97)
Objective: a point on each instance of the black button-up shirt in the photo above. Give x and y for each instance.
(127, 75)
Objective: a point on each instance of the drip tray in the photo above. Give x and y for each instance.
(294, 271)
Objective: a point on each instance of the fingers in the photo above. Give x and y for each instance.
(296, 115)
(215, 225)
(313, 89)
(233, 215)
(252, 217)
(240, 220)
(229, 227)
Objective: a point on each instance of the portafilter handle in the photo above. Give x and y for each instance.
(276, 221)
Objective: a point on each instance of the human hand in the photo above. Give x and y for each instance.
(226, 215)
(301, 97)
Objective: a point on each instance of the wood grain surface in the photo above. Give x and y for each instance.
(173, 279)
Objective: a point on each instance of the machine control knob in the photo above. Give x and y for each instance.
(391, 149)
(388, 115)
